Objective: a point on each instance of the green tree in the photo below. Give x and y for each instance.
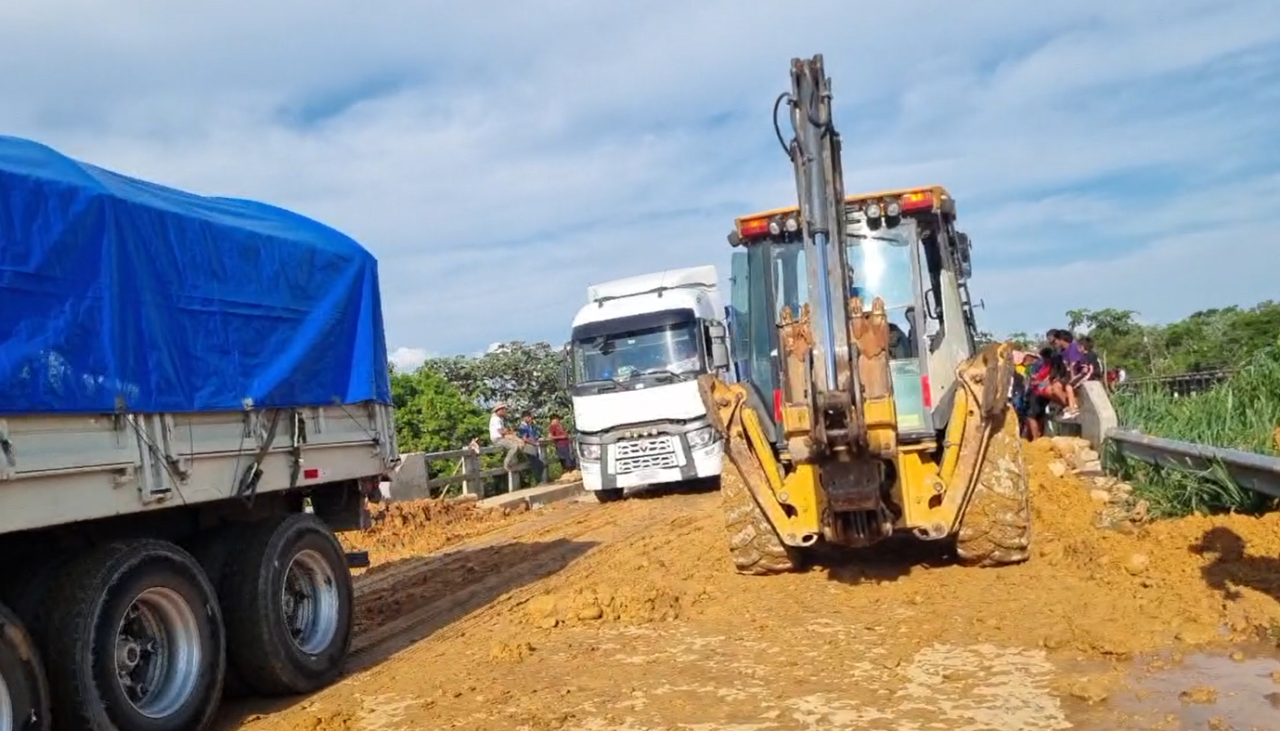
(1023, 341)
(524, 375)
(1206, 340)
(432, 415)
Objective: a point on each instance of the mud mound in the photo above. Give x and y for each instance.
(404, 529)
(669, 570)
(570, 476)
(1135, 585)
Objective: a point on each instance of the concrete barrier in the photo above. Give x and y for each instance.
(1097, 416)
(410, 480)
(534, 496)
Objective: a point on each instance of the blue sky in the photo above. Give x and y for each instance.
(498, 157)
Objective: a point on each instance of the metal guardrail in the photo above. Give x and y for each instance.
(1182, 384)
(468, 471)
(1252, 471)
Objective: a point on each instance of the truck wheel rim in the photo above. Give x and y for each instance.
(158, 652)
(310, 602)
(6, 706)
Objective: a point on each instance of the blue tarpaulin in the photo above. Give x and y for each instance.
(122, 295)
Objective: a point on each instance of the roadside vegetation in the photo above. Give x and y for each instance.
(1242, 412)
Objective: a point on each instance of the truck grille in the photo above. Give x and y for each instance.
(645, 454)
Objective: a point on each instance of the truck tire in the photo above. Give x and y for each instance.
(996, 527)
(24, 691)
(213, 549)
(27, 595)
(612, 495)
(137, 643)
(754, 544)
(289, 605)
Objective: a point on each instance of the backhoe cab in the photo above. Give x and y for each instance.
(863, 408)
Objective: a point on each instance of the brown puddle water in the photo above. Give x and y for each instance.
(1211, 691)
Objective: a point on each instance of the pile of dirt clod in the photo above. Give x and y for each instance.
(1130, 584)
(419, 527)
(634, 604)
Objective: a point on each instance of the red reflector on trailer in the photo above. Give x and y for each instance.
(311, 473)
(924, 389)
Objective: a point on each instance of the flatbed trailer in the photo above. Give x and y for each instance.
(194, 399)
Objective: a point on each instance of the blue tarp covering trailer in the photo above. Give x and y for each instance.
(122, 295)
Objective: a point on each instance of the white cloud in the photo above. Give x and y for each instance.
(408, 359)
(499, 158)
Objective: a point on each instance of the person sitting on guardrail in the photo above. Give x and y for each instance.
(531, 436)
(1090, 359)
(503, 437)
(1068, 351)
(1048, 385)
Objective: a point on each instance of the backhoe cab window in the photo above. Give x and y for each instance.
(620, 357)
(883, 263)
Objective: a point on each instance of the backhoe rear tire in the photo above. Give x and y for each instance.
(996, 527)
(754, 544)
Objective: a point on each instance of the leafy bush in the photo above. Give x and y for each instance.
(1241, 413)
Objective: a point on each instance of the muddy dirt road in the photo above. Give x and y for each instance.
(627, 617)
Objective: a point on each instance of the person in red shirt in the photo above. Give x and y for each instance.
(564, 445)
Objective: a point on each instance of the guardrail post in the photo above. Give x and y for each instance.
(513, 479)
(472, 485)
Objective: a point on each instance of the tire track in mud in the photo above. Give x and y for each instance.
(403, 604)
(629, 615)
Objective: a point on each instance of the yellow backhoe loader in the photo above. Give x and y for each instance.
(862, 407)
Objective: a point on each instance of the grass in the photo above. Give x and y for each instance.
(1240, 413)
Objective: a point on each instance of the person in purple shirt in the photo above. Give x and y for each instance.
(1073, 358)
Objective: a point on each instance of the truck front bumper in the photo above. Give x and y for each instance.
(614, 470)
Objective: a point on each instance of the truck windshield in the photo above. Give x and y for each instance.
(667, 349)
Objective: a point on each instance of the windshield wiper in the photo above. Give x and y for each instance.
(600, 384)
(874, 238)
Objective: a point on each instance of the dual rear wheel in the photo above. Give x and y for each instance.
(140, 634)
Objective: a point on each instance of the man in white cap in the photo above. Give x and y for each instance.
(503, 437)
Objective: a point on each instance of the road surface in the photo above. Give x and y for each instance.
(627, 617)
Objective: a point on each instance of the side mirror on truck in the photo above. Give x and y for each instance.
(719, 337)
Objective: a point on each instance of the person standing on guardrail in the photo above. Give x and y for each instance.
(531, 436)
(503, 437)
(564, 445)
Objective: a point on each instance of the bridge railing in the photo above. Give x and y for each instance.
(1182, 384)
(414, 480)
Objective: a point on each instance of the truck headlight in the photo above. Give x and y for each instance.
(699, 438)
(589, 452)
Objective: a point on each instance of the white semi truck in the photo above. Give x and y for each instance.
(635, 352)
(194, 397)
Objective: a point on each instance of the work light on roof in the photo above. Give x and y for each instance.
(873, 210)
(793, 224)
(893, 209)
(775, 227)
